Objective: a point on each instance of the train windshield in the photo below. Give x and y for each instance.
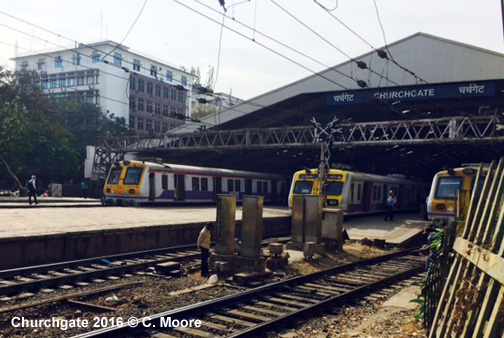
(303, 187)
(115, 175)
(448, 186)
(133, 176)
(334, 188)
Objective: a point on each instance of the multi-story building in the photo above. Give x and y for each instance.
(150, 95)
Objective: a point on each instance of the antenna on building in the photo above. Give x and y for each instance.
(210, 79)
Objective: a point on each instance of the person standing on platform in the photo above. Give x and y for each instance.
(84, 189)
(32, 189)
(389, 205)
(204, 246)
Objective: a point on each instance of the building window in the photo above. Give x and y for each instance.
(158, 90)
(157, 127)
(157, 108)
(166, 92)
(95, 57)
(153, 70)
(149, 107)
(24, 64)
(117, 58)
(136, 65)
(165, 110)
(90, 79)
(141, 86)
(45, 83)
(62, 82)
(140, 105)
(71, 79)
(80, 80)
(58, 62)
(132, 122)
(148, 124)
(140, 125)
(169, 76)
(54, 84)
(132, 83)
(149, 88)
(132, 103)
(40, 64)
(183, 81)
(76, 59)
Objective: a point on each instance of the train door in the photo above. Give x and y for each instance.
(248, 187)
(217, 187)
(152, 186)
(179, 192)
(367, 192)
(274, 192)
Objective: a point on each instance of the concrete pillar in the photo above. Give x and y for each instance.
(332, 226)
(252, 226)
(226, 225)
(297, 225)
(313, 219)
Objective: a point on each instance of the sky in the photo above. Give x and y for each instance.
(263, 45)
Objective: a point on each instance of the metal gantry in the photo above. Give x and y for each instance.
(446, 130)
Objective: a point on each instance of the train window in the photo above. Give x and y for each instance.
(448, 186)
(352, 188)
(133, 175)
(303, 187)
(195, 183)
(164, 182)
(204, 184)
(334, 188)
(265, 186)
(230, 185)
(115, 175)
(237, 185)
(358, 192)
(259, 187)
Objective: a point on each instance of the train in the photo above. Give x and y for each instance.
(442, 199)
(358, 193)
(139, 182)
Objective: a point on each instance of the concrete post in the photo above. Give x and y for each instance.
(252, 226)
(332, 226)
(298, 210)
(226, 225)
(313, 219)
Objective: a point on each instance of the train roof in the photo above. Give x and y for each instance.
(360, 175)
(196, 170)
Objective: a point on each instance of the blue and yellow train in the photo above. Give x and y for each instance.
(137, 182)
(358, 193)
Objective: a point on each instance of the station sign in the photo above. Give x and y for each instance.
(409, 93)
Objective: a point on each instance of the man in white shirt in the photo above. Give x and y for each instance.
(204, 245)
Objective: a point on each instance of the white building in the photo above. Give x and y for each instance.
(150, 95)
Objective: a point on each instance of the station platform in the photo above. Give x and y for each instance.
(62, 230)
(405, 228)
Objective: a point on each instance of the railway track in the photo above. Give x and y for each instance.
(259, 310)
(25, 281)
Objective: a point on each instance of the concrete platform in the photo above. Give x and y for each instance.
(45, 202)
(398, 232)
(39, 235)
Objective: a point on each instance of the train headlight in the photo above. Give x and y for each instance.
(108, 190)
(333, 203)
(440, 207)
(132, 191)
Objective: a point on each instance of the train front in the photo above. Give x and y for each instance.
(124, 183)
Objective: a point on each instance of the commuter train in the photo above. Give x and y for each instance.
(442, 199)
(358, 193)
(136, 182)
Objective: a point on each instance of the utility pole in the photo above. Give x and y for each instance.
(324, 136)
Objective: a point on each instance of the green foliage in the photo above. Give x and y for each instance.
(420, 301)
(42, 137)
(437, 242)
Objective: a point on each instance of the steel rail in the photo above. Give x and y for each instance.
(154, 321)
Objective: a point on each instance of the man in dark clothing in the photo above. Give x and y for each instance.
(389, 204)
(32, 189)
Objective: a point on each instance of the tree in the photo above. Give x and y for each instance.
(32, 139)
